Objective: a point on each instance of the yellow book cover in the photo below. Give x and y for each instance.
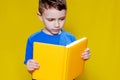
(59, 62)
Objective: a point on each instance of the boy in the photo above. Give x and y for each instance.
(53, 14)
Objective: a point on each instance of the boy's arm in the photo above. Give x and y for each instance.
(29, 51)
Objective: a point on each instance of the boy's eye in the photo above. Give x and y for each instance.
(62, 19)
(50, 19)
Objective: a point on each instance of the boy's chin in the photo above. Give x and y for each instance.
(52, 32)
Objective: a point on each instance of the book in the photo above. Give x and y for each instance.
(59, 62)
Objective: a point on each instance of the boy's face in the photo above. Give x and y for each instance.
(53, 20)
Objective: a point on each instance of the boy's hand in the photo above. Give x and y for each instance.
(32, 65)
(86, 54)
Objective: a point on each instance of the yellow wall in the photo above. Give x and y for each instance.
(99, 20)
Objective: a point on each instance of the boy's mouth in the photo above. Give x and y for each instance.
(56, 30)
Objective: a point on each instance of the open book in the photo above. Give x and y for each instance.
(59, 62)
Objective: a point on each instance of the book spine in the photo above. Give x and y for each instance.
(65, 64)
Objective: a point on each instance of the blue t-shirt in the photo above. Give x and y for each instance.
(63, 39)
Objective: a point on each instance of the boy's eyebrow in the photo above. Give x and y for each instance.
(55, 18)
(62, 17)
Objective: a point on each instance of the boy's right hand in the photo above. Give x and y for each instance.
(32, 65)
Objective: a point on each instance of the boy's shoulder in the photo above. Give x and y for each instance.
(66, 33)
(66, 38)
(34, 35)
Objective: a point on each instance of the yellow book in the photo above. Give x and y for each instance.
(59, 62)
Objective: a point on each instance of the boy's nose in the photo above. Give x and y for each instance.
(57, 24)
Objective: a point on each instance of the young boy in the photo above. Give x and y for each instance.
(53, 14)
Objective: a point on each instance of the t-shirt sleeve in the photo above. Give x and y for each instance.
(29, 51)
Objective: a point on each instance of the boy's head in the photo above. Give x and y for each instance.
(53, 14)
(47, 4)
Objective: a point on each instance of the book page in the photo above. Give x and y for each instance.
(76, 42)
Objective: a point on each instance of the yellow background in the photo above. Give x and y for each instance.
(99, 20)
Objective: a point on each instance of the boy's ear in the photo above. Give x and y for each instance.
(39, 15)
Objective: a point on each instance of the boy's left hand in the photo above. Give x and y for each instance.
(86, 54)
